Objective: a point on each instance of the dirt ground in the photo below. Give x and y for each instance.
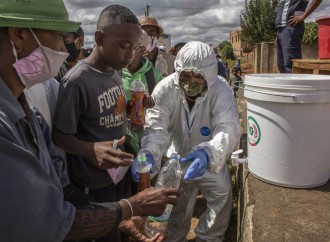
(199, 209)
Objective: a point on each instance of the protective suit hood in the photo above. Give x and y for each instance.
(197, 57)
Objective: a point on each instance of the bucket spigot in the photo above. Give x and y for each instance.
(235, 158)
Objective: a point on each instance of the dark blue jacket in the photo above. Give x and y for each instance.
(221, 69)
(32, 205)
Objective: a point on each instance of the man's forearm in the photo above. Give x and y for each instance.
(311, 8)
(94, 221)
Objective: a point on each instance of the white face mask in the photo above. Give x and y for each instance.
(152, 43)
(39, 66)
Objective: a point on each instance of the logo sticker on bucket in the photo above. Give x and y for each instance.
(254, 133)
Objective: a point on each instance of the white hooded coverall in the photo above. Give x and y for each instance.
(212, 125)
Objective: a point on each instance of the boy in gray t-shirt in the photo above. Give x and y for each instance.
(92, 107)
(91, 110)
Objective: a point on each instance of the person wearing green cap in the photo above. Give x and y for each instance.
(38, 203)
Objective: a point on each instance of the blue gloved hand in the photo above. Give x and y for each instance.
(135, 175)
(197, 168)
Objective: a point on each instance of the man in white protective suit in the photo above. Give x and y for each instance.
(195, 111)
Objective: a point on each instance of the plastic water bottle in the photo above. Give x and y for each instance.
(143, 169)
(137, 115)
(168, 177)
(161, 65)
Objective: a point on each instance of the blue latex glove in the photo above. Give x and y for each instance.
(200, 160)
(135, 175)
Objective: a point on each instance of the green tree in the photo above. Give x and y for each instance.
(227, 52)
(311, 33)
(258, 22)
(223, 44)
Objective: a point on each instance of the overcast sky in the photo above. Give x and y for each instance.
(209, 21)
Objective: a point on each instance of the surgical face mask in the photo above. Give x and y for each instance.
(152, 43)
(192, 89)
(73, 51)
(39, 66)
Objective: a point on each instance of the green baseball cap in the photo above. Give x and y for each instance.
(40, 14)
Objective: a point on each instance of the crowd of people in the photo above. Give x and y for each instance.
(39, 200)
(64, 123)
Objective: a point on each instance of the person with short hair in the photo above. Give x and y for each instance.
(176, 48)
(92, 113)
(74, 41)
(170, 56)
(38, 203)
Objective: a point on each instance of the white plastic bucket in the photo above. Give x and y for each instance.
(289, 128)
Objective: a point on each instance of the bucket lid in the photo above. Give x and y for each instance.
(288, 81)
(292, 88)
(322, 18)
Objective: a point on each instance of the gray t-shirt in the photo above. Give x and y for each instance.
(92, 106)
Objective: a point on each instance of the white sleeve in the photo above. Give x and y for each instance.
(156, 136)
(225, 135)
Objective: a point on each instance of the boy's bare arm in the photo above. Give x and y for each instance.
(102, 154)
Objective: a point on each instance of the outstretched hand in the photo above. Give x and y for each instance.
(106, 156)
(199, 164)
(134, 227)
(152, 201)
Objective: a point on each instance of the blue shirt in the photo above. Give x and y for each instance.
(31, 201)
(221, 69)
(287, 8)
